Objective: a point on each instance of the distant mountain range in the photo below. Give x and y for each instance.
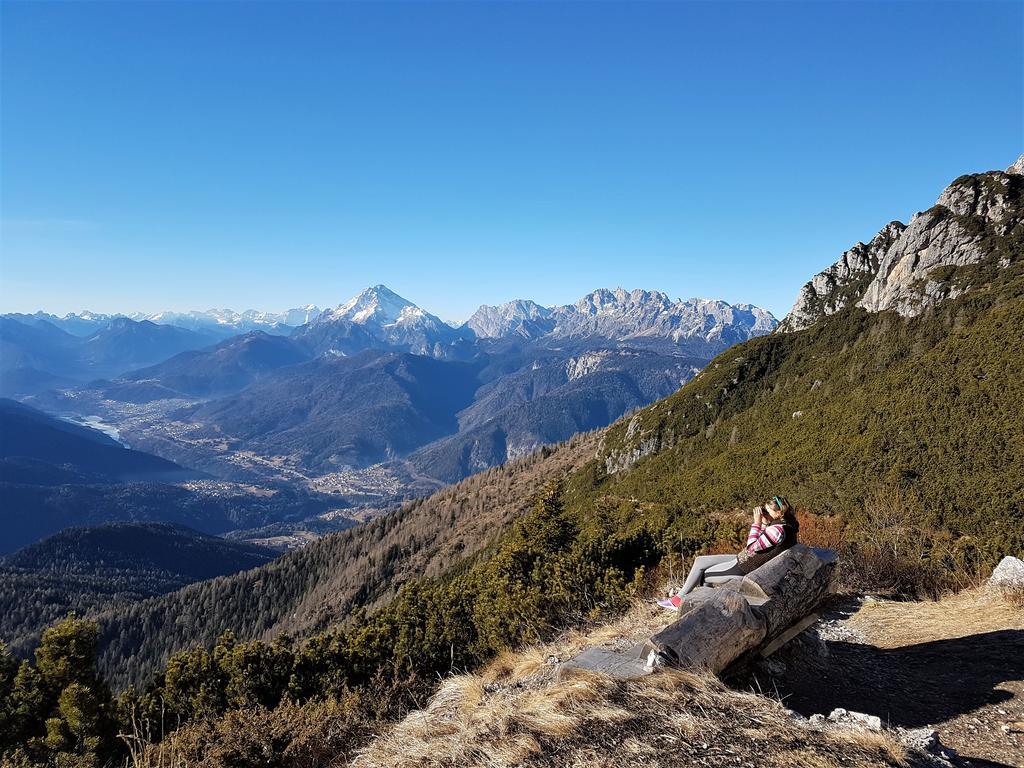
(41, 351)
(387, 317)
(380, 318)
(628, 317)
(213, 322)
(378, 381)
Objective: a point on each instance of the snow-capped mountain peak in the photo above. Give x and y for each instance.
(378, 305)
(379, 316)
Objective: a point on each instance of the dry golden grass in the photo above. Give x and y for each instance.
(519, 712)
(1014, 596)
(894, 624)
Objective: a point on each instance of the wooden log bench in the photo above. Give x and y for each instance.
(718, 624)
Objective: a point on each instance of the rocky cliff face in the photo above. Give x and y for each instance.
(522, 318)
(843, 283)
(909, 268)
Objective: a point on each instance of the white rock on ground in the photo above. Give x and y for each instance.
(1009, 573)
(870, 722)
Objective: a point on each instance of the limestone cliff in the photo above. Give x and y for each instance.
(908, 268)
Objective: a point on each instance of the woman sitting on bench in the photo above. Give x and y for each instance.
(773, 530)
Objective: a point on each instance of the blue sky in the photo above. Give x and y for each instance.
(191, 155)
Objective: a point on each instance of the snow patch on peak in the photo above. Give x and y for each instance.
(378, 305)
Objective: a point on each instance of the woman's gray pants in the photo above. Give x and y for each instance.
(711, 568)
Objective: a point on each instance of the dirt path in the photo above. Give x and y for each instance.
(956, 665)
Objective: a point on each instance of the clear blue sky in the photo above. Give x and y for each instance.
(190, 155)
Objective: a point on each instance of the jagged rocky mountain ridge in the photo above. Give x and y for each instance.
(905, 268)
(622, 316)
(522, 317)
(648, 319)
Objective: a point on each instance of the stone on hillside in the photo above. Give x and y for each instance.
(624, 665)
(859, 719)
(1009, 573)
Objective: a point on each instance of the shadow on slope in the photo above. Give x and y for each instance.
(915, 685)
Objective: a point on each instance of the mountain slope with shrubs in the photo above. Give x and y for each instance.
(324, 583)
(922, 393)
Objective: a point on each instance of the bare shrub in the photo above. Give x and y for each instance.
(299, 735)
(825, 531)
(890, 551)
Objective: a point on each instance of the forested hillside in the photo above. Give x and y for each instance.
(84, 569)
(312, 588)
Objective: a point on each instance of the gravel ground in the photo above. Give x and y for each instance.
(956, 665)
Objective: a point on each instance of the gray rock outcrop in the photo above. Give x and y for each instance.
(909, 268)
(842, 283)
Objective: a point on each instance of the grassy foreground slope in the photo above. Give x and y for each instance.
(519, 711)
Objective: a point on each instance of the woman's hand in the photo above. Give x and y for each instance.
(758, 515)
